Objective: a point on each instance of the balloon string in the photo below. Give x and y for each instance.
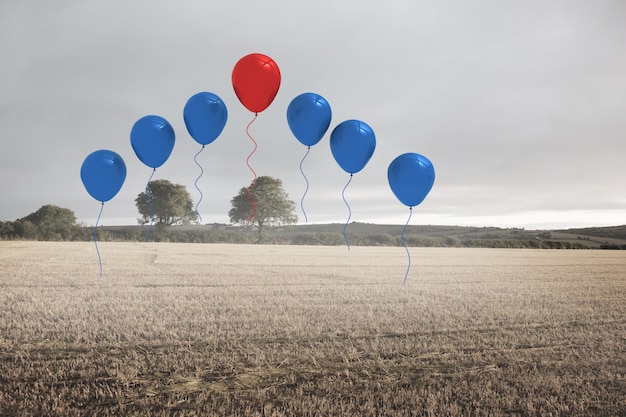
(408, 254)
(343, 195)
(197, 179)
(150, 204)
(95, 240)
(306, 220)
(250, 168)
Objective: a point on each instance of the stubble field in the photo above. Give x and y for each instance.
(238, 330)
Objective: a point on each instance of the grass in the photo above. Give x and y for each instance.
(247, 330)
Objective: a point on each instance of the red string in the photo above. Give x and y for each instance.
(250, 168)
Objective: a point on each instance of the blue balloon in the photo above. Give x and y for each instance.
(152, 139)
(411, 177)
(103, 173)
(205, 116)
(352, 144)
(309, 116)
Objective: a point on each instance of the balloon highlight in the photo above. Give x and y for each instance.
(205, 116)
(256, 79)
(308, 116)
(152, 139)
(411, 177)
(352, 144)
(103, 173)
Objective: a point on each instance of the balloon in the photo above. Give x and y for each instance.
(352, 144)
(103, 173)
(309, 116)
(152, 139)
(256, 79)
(411, 177)
(205, 116)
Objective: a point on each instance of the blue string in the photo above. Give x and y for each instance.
(196, 183)
(150, 204)
(408, 254)
(349, 212)
(306, 220)
(95, 240)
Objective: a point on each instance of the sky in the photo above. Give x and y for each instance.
(520, 106)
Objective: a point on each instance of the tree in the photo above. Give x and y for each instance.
(51, 223)
(19, 229)
(7, 230)
(273, 206)
(172, 204)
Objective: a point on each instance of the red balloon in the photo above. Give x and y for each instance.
(256, 79)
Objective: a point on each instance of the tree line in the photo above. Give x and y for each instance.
(50, 222)
(53, 223)
(256, 212)
(262, 204)
(26, 230)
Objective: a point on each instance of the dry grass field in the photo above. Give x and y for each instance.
(237, 330)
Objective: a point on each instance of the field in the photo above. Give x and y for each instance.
(260, 330)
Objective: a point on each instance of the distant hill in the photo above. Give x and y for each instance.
(592, 238)
(385, 235)
(612, 232)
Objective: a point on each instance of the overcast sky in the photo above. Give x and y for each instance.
(520, 106)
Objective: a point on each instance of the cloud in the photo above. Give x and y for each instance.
(520, 107)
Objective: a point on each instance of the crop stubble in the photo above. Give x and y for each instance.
(253, 330)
